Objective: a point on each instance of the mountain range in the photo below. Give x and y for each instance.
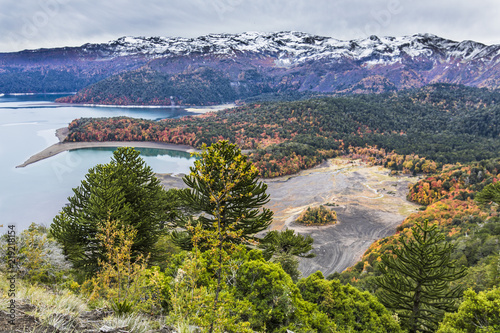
(219, 68)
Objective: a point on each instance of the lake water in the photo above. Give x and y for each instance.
(37, 192)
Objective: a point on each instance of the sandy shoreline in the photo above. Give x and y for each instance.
(67, 146)
(61, 134)
(192, 109)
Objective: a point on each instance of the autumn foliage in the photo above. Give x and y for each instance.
(460, 182)
(408, 132)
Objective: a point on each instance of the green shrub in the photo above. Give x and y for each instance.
(350, 309)
(478, 313)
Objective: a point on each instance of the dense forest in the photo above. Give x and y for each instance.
(44, 80)
(440, 124)
(148, 87)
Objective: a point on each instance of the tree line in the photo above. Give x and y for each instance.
(441, 123)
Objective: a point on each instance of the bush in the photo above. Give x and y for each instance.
(40, 258)
(123, 281)
(478, 313)
(276, 301)
(350, 309)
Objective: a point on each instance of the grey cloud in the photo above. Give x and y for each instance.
(49, 23)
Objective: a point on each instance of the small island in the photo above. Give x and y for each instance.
(317, 216)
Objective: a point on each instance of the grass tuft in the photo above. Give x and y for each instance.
(134, 323)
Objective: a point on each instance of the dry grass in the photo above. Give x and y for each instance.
(61, 308)
(133, 323)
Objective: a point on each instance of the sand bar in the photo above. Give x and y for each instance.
(66, 146)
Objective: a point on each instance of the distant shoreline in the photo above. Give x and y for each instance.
(34, 94)
(67, 146)
(194, 109)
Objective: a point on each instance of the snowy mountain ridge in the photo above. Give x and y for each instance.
(299, 47)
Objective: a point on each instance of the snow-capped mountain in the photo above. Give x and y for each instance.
(300, 47)
(254, 63)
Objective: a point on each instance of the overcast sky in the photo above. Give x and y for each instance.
(28, 24)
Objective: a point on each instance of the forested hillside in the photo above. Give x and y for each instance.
(443, 123)
(472, 227)
(148, 87)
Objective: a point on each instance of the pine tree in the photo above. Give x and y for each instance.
(416, 279)
(125, 190)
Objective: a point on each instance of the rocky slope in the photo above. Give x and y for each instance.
(247, 64)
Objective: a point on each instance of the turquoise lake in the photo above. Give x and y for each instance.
(37, 192)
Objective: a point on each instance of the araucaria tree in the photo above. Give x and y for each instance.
(490, 193)
(287, 242)
(125, 190)
(416, 278)
(224, 187)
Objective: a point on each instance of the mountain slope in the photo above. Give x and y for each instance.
(254, 63)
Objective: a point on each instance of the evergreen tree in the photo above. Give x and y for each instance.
(123, 190)
(415, 280)
(286, 242)
(223, 186)
(490, 193)
(284, 247)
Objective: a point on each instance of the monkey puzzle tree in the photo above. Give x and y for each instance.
(223, 187)
(416, 278)
(125, 190)
(284, 247)
(490, 193)
(286, 241)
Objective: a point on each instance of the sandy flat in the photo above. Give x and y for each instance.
(369, 203)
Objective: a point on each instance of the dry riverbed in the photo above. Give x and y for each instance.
(369, 203)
